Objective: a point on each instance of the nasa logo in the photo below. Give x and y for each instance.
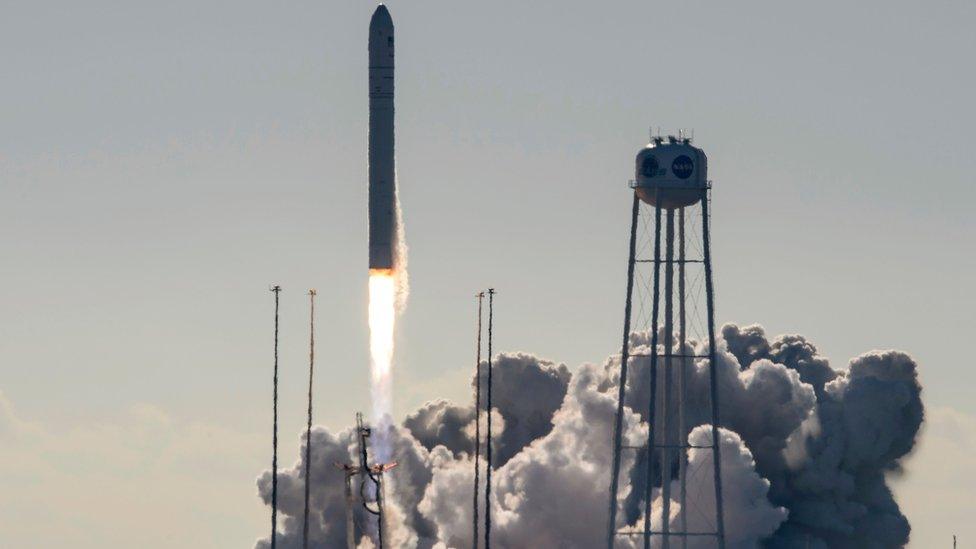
(682, 167)
(649, 167)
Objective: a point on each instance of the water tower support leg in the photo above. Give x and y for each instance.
(666, 435)
(682, 383)
(713, 375)
(624, 356)
(649, 491)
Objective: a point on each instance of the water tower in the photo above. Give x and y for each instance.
(671, 181)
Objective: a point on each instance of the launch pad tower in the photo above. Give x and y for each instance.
(670, 182)
(370, 487)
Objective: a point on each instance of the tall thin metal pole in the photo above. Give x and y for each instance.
(491, 308)
(621, 390)
(477, 424)
(379, 508)
(274, 439)
(713, 375)
(350, 525)
(648, 492)
(668, 380)
(682, 384)
(308, 428)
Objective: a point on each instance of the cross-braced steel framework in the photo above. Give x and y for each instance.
(370, 489)
(677, 357)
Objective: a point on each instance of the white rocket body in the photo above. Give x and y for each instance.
(382, 168)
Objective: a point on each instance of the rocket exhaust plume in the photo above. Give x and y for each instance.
(387, 252)
(382, 321)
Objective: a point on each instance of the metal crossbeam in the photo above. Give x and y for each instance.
(669, 261)
(662, 534)
(644, 446)
(662, 355)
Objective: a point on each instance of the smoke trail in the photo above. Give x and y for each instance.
(400, 258)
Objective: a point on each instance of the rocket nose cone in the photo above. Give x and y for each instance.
(381, 17)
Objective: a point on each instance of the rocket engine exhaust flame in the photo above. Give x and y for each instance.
(382, 321)
(383, 292)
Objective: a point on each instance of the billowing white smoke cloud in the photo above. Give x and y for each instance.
(831, 476)
(804, 453)
(327, 499)
(552, 493)
(527, 392)
(749, 516)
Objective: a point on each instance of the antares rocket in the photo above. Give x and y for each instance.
(382, 169)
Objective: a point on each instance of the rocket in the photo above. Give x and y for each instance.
(382, 169)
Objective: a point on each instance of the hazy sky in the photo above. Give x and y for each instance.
(162, 163)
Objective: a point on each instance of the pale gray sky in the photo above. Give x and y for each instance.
(162, 163)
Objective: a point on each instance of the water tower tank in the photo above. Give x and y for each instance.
(672, 172)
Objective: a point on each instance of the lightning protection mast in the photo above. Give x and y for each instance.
(671, 183)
